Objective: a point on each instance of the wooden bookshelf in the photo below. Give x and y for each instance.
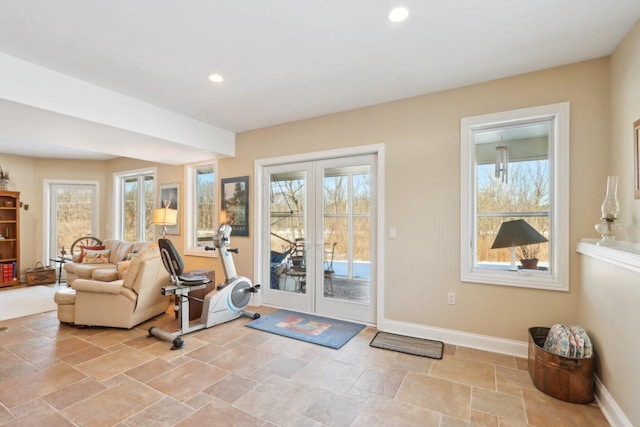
(10, 241)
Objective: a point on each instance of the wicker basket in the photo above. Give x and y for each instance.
(41, 275)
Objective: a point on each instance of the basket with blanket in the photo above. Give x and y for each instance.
(561, 362)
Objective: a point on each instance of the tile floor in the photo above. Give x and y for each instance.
(230, 375)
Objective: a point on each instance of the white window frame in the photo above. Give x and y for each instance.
(191, 246)
(558, 278)
(118, 232)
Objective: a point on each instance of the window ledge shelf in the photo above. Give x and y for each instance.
(622, 254)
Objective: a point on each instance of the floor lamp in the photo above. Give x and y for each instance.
(165, 216)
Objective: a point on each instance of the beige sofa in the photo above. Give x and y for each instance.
(123, 303)
(119, 251)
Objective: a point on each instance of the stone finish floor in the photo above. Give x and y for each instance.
(53, 374)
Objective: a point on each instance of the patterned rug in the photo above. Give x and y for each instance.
(308, 327)
(410, 345)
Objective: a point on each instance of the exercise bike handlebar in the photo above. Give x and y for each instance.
(211, 248)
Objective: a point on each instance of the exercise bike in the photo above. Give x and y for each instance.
(222, 305)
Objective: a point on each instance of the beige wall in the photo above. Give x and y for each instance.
(625, 109)
(609, 299)
(422, 137)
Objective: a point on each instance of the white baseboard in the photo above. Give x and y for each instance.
(465, 339)
(609, 407)
(607, 404)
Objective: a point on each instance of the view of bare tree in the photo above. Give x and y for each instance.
(347, 204)
(525, 196)
(74, 216)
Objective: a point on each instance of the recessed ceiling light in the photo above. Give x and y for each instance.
(216, 78)
(398, 14)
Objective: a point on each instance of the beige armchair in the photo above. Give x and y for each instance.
(123, 303)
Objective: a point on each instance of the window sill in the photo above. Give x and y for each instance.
(620, 253)
(534, 279)
(200, 252)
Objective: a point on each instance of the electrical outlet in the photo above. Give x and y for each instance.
(451, 298)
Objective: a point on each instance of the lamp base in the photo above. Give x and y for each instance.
(608, 229)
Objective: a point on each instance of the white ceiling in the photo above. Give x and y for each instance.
(285, 60)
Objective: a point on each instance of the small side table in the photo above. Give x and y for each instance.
(59, 261)
(195, 306)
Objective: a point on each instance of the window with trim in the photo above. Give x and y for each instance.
(514, 198)
(135, 196)
(201, 211)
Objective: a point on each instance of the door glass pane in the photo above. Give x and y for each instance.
(130, 217)
(335, 200)
(74, 213)
(347, 223)
(287, 232)
(205, 205)
(362, 193)
(149, 191)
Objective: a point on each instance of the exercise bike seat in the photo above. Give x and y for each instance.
(188, 280)
(173, 263)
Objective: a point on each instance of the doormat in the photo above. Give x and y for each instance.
(308, 327)
(409, 345)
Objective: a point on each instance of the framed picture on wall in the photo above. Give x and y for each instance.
(235, 204)
(170, 197)
(636, 158)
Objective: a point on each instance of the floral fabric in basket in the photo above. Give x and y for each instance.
(568, 341)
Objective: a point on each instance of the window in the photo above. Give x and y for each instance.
(515, 171)
(135, 196)
(201, 208)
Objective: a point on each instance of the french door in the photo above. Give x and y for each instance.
(320, 251)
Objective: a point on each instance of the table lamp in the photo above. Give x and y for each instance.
(165, 216)
(516, 233)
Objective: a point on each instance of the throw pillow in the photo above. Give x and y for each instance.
(93, 248)
(95, 257)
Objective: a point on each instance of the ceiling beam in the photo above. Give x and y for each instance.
(35, 86)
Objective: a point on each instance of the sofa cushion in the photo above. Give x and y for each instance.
(141, 246)
(95, 256)
(124, 249)
(105, 274)
(84, 271)
(82, 285)
(136, 265)
(111, 244)
(122, 269)
(65, 296)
